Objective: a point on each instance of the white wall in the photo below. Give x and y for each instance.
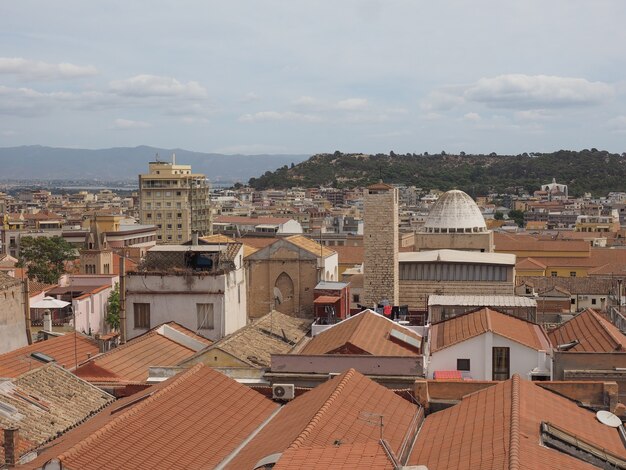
(330, 266)
(90, 311)
(291, 226)
(479, 351)
(174, 298)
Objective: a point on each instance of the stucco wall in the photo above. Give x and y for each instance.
(12, 321)
(479, 351)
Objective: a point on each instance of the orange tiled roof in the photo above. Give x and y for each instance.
(367, 332)
(234, 219)
(463, 327)
(63, 349)
(508, 242)
(197, 419)
(347, 456)
(529, 263)
(499, 427)
(310, 245)
(595, 334)
(332, 411)
(129, 363)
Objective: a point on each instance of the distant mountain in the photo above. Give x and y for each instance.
(594, 171)
(125, 163)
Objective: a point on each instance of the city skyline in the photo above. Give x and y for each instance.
(315, 77)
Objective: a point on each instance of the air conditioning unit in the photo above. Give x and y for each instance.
(283, 391)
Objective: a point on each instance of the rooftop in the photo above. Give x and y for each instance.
(45, 402)
(500, 427)
(482, 300)
(365, 333)
(454, 211)
(593, 332)
(274, 333)
(469, 325)
(66, 350)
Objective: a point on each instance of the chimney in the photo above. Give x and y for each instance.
(194, 238)
(10, 446)
(47, 321)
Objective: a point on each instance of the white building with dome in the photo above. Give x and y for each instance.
(455, 223)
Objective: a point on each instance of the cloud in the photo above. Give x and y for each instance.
(474, 117)
(352, 104)
(155, 86)
(249, 97)
(8, 133)
(278, 116)
(618, 124)
(519, 91)
(36, 70)
(127, 124)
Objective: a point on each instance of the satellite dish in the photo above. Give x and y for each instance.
(608, 418)
(278, 295)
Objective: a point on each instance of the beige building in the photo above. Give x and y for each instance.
(175, 200)
(380, 270)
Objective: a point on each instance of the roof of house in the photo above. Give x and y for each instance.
(482, 300)
(362, 456)
(508, 242)
(368, 332)
(336, 410)
(45, 402)
(274, 333)
(129, 363)
(229, 219)
(529, 263)
(469, 325)
(593, 332)
(194, 420)
(500, 427)
(310, 245)
(67, 350)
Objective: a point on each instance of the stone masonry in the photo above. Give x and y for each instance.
(381, 268)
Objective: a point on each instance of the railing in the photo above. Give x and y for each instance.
(617, 317)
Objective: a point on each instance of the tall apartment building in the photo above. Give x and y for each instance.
(380, 241)
(175, 200)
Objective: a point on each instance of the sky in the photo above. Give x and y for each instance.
(315, 76)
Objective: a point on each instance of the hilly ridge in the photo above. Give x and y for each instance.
(125, 163)
(594, 171)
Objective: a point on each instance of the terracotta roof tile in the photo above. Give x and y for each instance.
(499, 427)
(594, 333)
(363, 456)
(274, 333)
(334, 410)
(196, 420)
(350, 254)
(231, 219)
(50, 400)
(368, 333)
(463, 327)
(310, 245)
(67, 350)
(129, 363)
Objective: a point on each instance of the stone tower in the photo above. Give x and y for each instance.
(380, 270)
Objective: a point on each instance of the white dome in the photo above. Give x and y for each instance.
(455, 212)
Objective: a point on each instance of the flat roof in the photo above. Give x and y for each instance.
(200, 248)
(482, 300)
(456, 256)
(331, 285)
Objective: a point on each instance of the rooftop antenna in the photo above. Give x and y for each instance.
(173, 158)
(157, 157)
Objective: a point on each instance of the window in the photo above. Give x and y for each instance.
(169, 226)
(573, 302)
(463, 364)
(169, 215)
(179, 226)
(141, 313)
(593, 301)
(205, 316)
(553, 273)
(501, 363)
(572, 274)
(149, 215)
(179, 215)
(356, 298)
(178, 193)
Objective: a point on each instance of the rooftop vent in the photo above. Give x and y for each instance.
(42, 357)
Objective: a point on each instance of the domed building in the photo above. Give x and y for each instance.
(454, 222)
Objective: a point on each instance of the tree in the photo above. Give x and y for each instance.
(517, 216)
(45, 257)
(113, 308)
(498, 215)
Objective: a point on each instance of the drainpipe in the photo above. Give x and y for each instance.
(29, 334)
(122, 299)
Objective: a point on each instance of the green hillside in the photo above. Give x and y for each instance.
(594, 171)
